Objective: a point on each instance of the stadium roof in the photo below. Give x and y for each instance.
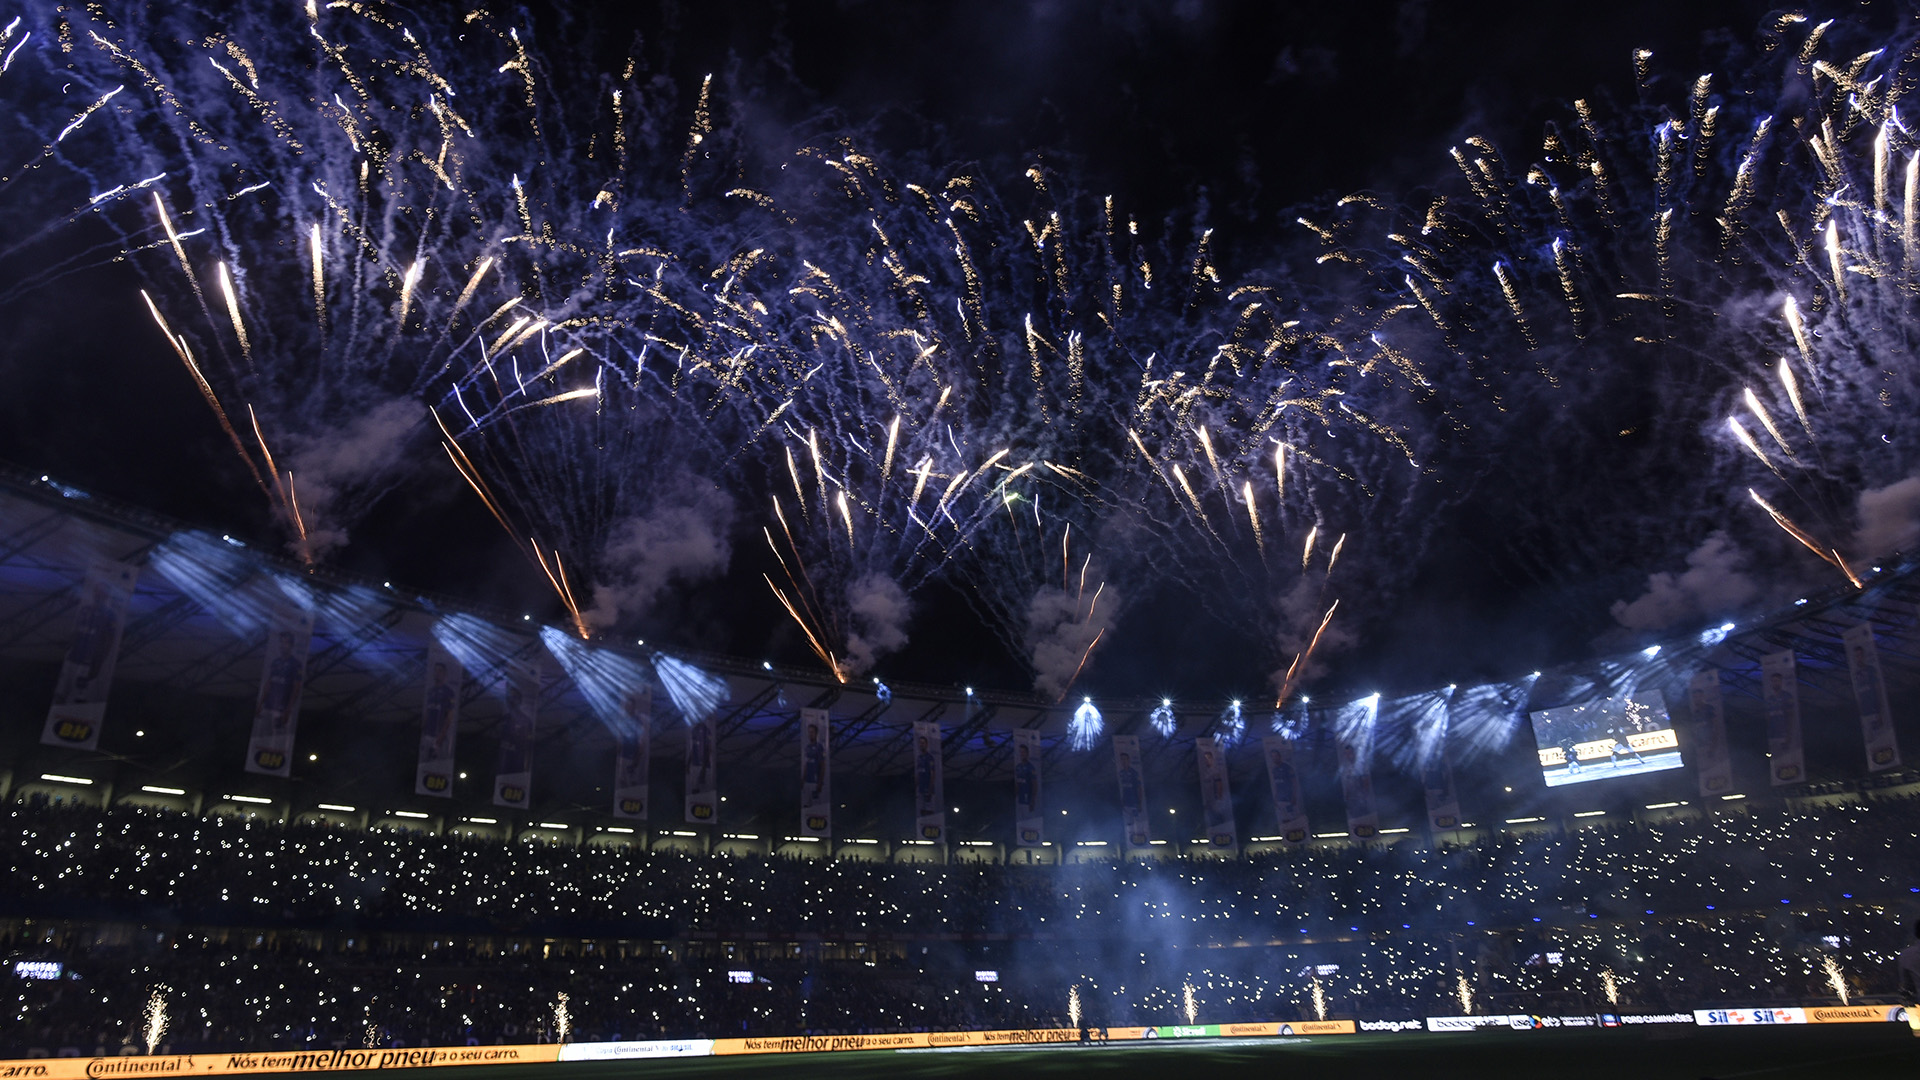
(190, 637)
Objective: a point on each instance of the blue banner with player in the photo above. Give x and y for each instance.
(80, 697)
(816, 773)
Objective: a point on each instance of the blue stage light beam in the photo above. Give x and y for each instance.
(695, 693)
(606, 679)
(1086, 727)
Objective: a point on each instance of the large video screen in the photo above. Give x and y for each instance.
(1604, 739)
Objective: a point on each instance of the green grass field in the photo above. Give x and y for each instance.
(1851, 1051)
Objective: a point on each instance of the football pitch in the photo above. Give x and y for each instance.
(1854, 1051)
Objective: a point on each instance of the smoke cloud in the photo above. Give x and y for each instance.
(1061, 630)
(683, 539)
(1300, 611)
(1714, 583)
(880, 609)
(353, 465)
(1889, 519)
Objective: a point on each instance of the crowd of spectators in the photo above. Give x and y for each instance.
(267, 935)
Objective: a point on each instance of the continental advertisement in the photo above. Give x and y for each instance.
(1857, 1014)
(79, 1068)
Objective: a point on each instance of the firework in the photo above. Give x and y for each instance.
(1189, 1002)
(1836, 979)
(153, 1016)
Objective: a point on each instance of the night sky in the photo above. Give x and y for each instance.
(1250, 109)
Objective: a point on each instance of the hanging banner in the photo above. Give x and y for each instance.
(1356, 781)
(1289, 809)
(929, 782)
(1443, 798)
(513, 772)
(1780, 691)
(633, 756)
(80, 695)
(1028, 830)
(1216, 795)
(276, 711)
(439, 720)
(1133, 791)
(1711, 759)
(1870, 692)
(703, 799)
(816, 773)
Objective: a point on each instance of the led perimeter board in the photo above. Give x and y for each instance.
(1606, 738)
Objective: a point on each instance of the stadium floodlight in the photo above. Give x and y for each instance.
(974, 843)
(484, 820)
(1650, 651)
(1662, 805)
(339, 808)
(1591, 813)
(255, 799)
(1092, 843)
(1261, 839)
(59, 779)
(682, 832)
(863, 841)
(154, 789)
(551, 825)
(918, 843)
(617, 828)
(409, 814)
(1156, 843)
(1730, 798)
(1328, 835)
(738, 836)
(790, 839)
(1524, 820)
(1390, 832)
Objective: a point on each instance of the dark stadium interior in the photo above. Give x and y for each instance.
(1094, 536)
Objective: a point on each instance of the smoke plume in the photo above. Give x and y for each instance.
(879, 609)
(682, 539)
(1062, 628)
(338, 473)
(1714, 584)
(1889, 519)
